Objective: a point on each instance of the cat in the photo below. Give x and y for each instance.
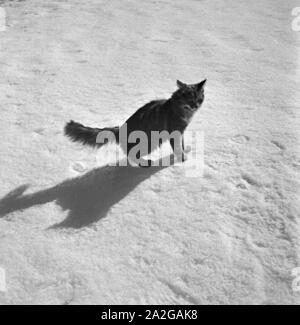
(172, 115)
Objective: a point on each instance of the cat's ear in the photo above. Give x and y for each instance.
(201, 85)
(181, 84)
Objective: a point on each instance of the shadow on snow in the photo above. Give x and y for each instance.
(87, 198)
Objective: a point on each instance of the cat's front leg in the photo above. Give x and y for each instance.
(186, 149)
(178, 148)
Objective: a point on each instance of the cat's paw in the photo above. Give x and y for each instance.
(146, 163)
(187, 149)
(182, 157)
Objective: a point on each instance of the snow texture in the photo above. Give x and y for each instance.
(74, 231)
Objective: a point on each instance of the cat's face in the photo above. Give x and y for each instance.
(191, 95)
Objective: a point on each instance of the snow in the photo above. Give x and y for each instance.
(74, 231)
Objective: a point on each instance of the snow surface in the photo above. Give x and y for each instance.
(73, 232)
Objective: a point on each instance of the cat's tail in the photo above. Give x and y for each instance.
(93, 137)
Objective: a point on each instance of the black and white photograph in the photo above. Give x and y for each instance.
(149, 154)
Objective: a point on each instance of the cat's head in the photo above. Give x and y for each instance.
(191, 95)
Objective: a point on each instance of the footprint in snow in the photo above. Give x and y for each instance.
(278, 144)
(39, 131)
(240, 138)
(251, 180)
(78, 167)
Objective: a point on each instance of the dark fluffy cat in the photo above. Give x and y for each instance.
(173, 114)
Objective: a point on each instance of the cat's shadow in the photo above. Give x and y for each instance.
(87, 198)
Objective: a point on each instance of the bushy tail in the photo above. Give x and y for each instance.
(88, 136)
